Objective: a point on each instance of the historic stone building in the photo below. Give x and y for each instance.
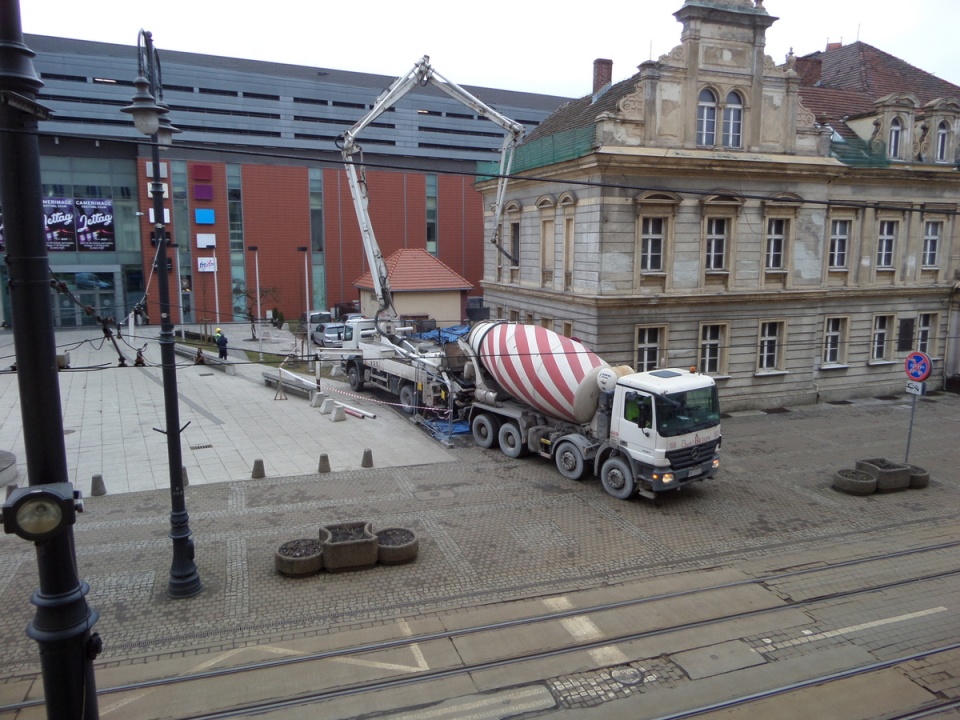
(790, 229)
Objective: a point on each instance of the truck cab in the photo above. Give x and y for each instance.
(665, 427)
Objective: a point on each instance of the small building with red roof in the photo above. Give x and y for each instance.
(423, 288)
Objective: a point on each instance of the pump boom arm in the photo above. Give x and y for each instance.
(421, 74)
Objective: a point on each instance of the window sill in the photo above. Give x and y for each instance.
(718, 378)
(930, 268)
(835, 366)
(653, 273)
(774, 271)
(886, 270)
(842, 270)
(881, 362)
(717, 272)
(768, 373)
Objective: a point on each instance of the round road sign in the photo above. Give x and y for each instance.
(918, 366)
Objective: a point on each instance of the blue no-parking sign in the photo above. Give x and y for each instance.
(918, 366)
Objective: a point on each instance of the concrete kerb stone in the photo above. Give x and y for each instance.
(324, 465)
(97, 486)
(337, 414)
(327, 406)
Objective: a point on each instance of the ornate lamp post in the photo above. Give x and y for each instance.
(44, 512)
(149, 117)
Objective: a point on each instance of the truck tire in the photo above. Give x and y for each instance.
(617, 478)
(511, 441)
(569, 460)
(355, 378)
(408, 399)
(485, 428)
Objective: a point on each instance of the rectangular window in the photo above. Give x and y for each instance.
(880, 342)
(706, 125)
(548, 250)
(567, 329)
(835, 341)
(931, 243)
(651, 244)
(648, 348)
(716, 243)
(515, 243)
(732, 126)
(839, 243)
(568, 236)
(769, 352)
(713, 349)
(431, 244)
(886, 242)
(926, 333)
(776, 239)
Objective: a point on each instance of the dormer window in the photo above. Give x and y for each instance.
(943, 136)
(733, 121)
(707, 119)
(893, 144)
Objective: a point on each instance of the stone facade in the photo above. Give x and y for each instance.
(723, 217)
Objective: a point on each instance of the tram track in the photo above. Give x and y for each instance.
(467, 668)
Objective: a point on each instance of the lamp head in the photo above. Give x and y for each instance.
(40, 512)
(146, 113)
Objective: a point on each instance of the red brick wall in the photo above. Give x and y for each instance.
(149, 251)
(460, 243)
(204, 284)
(276, 219)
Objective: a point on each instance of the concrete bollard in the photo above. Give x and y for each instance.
(186, 480)
(258, 470)
(327, 406)
(324, 466)
(367, 461)
(338, 415)
(97, 487)
(317, 399)
(10, 488)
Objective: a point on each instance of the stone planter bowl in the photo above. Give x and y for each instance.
(397, 546)
(349, 546)
(891, 476)
(919, 477)
(854, 482)
(308, 560)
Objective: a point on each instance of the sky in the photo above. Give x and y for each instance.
(529, 46)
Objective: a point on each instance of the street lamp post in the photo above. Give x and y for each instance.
(256, 259)
(44, 512)
(148, 111)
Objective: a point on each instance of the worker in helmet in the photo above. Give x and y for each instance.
(221, 343)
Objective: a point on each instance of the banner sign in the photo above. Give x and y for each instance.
(95, 225)
(206, 264)
(58, 218)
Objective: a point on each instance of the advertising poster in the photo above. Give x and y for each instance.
(94, 225)
(61, 230)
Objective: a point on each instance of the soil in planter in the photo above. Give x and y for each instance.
(300, 548)
(340, 533)
(394, 536)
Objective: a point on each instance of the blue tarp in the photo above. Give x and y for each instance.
(443, 335)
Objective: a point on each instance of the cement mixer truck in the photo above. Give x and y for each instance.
(534, 391)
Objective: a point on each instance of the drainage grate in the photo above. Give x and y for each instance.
(776, 411)
(887, 397)
(201, 447)
(839, 402)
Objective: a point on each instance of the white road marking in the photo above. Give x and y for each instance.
(583, 629)
(853, 629)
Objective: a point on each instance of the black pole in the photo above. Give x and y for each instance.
(61, 626)
(184, 579)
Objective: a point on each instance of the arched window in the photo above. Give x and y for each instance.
(893, 145)
(733, 121)
(943, 135)
(707, 119)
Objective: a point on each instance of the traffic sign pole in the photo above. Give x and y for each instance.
(918, 367)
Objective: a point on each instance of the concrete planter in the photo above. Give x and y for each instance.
(891, 476)
(397, 546)
(919, 477)
(299, 558)
(854, 482)
(349, 546)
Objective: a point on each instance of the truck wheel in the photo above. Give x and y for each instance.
(511, 442)
(485, 430)
(569, 460)
(617, 478)
(408, 399)
(356, 381)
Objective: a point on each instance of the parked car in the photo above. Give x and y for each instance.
(316, 316)
(328, 335)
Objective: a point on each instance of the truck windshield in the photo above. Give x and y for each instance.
(680, 413)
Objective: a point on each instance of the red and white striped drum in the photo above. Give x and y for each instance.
(550, 372)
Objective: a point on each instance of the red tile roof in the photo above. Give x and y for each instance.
(416, 270)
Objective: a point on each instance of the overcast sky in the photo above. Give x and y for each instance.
(530, 46)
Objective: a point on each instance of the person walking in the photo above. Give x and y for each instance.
(221, 343)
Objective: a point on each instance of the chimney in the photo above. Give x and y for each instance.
(602, 73)
(834, 45)
(809, 70)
